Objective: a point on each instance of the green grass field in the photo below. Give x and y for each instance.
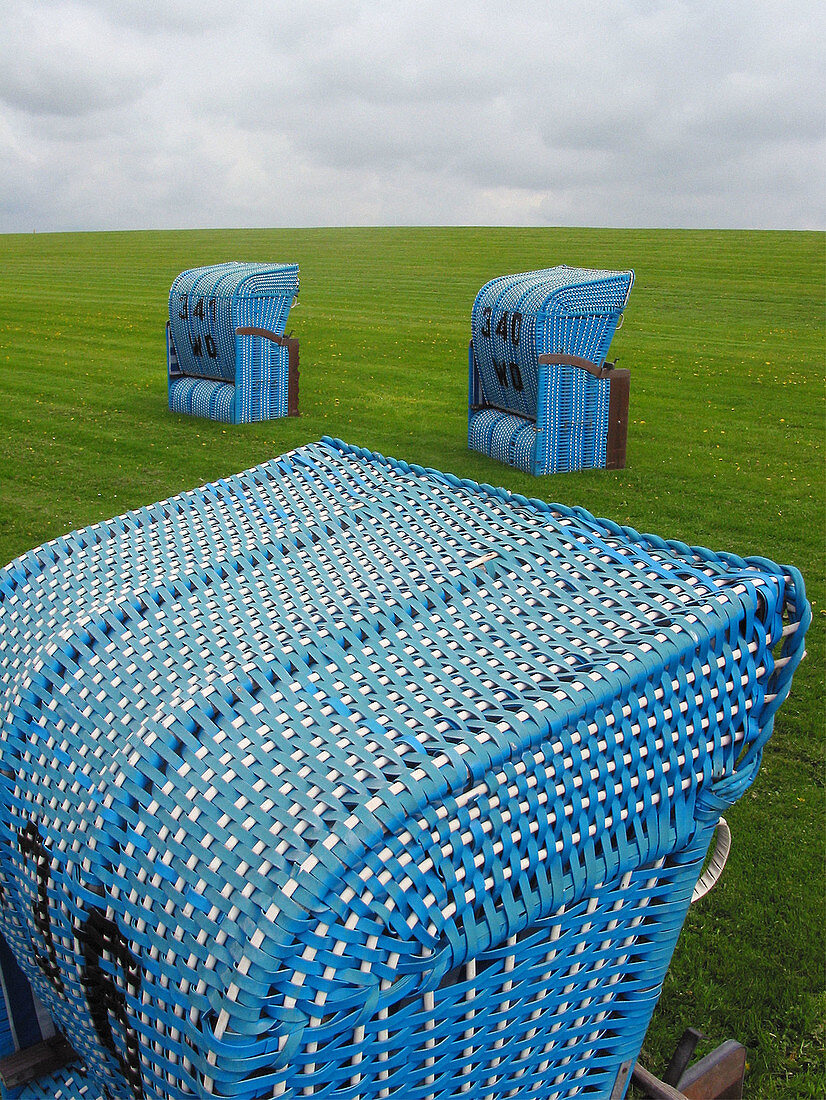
(724, 335)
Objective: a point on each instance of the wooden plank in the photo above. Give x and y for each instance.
(717, 1076)
(651, 1087)
(618, 403)
(36, 1061)
(292, 376)
(575, 361)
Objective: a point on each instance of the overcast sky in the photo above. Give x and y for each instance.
(127, 114)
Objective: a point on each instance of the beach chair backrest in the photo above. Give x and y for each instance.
(558, 310)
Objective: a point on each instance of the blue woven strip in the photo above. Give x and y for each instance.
(573, 423)
(200, 397)
(505, 437)
(371, 778)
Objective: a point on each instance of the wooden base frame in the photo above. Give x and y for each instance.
(717, 1076)
(36, 1061)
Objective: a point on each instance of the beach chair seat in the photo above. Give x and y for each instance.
(227, 356)
(537, 355)
(342, 778)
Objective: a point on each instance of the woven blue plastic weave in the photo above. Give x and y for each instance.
(517, 318)
(344, 778)
(215, 372)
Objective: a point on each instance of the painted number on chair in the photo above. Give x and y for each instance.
(110, 970)
(509, 371)
(203, 341)
(198, 346)
(34, 851)
(507, 327)
(101, 940)
(198, 309)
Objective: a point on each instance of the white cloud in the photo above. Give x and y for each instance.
(131, 113)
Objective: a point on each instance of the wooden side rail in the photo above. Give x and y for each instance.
(501, 408)
(717, 1076)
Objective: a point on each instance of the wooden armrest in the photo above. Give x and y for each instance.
(576, 361)
(276, 337)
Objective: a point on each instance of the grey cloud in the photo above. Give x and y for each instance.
(65, 60)
(672, 112)
(156, 17)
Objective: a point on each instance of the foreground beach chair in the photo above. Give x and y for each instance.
(541, 396)
(344, 778)
(227, 356)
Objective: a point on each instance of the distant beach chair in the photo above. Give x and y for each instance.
(228, 358)
(541, 396)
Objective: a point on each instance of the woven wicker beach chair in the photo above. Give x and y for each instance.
(227, 356)
(541, 396)
(344, 778)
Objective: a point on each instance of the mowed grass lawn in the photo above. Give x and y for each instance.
(724, 335)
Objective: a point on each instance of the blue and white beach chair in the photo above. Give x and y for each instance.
(227, 356)
(342, 778)
(541, 397)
